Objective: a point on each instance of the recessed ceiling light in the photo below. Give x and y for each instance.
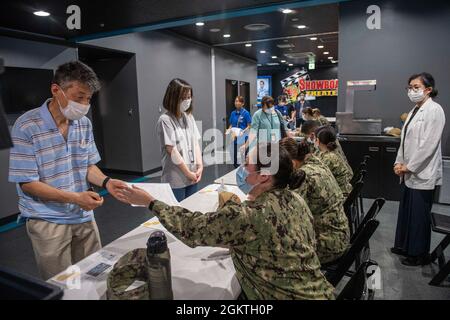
(326, 52)
(41, 13)
(214, 30)
(334, 61)
(227, 35)
(274, 57)
(200, 24)
(290, 64)
(287, 11)
(259, 64)
(313, 39)
(248, 44)
(294, 19)
(283, 61)
(257, 27)
(302, 26)
(320, 47)
(331, 58)
(262, 51)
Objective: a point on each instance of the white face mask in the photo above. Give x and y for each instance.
(185, 104)
(73, 110)
(269, 110)
(416, 97)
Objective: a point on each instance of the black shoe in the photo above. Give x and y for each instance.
(398, 251)
(417, 261)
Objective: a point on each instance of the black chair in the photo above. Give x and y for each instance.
(335, 271)
(357, 288)
(376, 207)
(441, 224)
(357, 174)
(350, 206)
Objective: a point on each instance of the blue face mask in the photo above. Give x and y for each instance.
(241, 179)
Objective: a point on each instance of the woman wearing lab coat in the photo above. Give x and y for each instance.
(419, 166)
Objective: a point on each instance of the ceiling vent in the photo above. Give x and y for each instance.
(299, 55)
(329, 39)
(257, 27)
(285, 45)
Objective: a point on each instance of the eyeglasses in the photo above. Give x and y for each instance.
(415, 89)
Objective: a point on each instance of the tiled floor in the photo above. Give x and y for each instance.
(115, 219)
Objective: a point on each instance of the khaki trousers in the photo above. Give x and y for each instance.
(58, 246)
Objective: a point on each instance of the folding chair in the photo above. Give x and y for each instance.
(357, 288)
(335, 271)
(376, 207)
(350, 207)
(441, 224)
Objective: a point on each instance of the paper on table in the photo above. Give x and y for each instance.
(159, 191)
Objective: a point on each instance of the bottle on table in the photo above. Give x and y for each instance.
(158, 266)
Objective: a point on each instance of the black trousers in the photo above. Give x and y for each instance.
(413, 233)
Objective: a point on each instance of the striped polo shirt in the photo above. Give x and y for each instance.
(41, 153)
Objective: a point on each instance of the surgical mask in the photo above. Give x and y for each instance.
(241, 180)
(416, 96)
(73, 110)
(185, 104)
(269, 110)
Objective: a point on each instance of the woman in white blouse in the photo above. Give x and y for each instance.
(419, 166)
(181, 156)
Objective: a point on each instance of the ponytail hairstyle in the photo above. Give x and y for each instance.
(286, 175)
(327, 136)
(297, 150)
(427, 80)
(308, 111)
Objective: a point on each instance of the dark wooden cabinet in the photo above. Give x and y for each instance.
(380, 180)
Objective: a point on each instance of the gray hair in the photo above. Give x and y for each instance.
(76, 71)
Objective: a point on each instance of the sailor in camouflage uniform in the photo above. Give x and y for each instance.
(325, 200)
(271, 238)
(308, 130)
(326, 143)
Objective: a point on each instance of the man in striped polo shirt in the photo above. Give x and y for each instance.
(53, 163)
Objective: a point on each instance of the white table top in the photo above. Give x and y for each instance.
(197, 273)
(229, 178)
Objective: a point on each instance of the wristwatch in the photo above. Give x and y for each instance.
(150, 207)
(105, 182)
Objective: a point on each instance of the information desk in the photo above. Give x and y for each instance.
(197, 273)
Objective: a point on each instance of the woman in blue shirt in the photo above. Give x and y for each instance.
(240, 119)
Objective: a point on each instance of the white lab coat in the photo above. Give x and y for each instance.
(422, 154)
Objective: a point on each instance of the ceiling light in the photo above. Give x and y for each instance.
(290, 64)
(302, 26)
(262, 51)
(326, 52)
(227, 35)
(334, 61)
(287, 11)
(214, 30)
(200, 24)
(248, 44)
(257, 27)
(331, 58)
(274, 57)
(294, 19)
(313, 39)
(283, 61)
(41, 13)
(320, 47)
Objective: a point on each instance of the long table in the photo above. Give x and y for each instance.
(228, 179)
(197, 273)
